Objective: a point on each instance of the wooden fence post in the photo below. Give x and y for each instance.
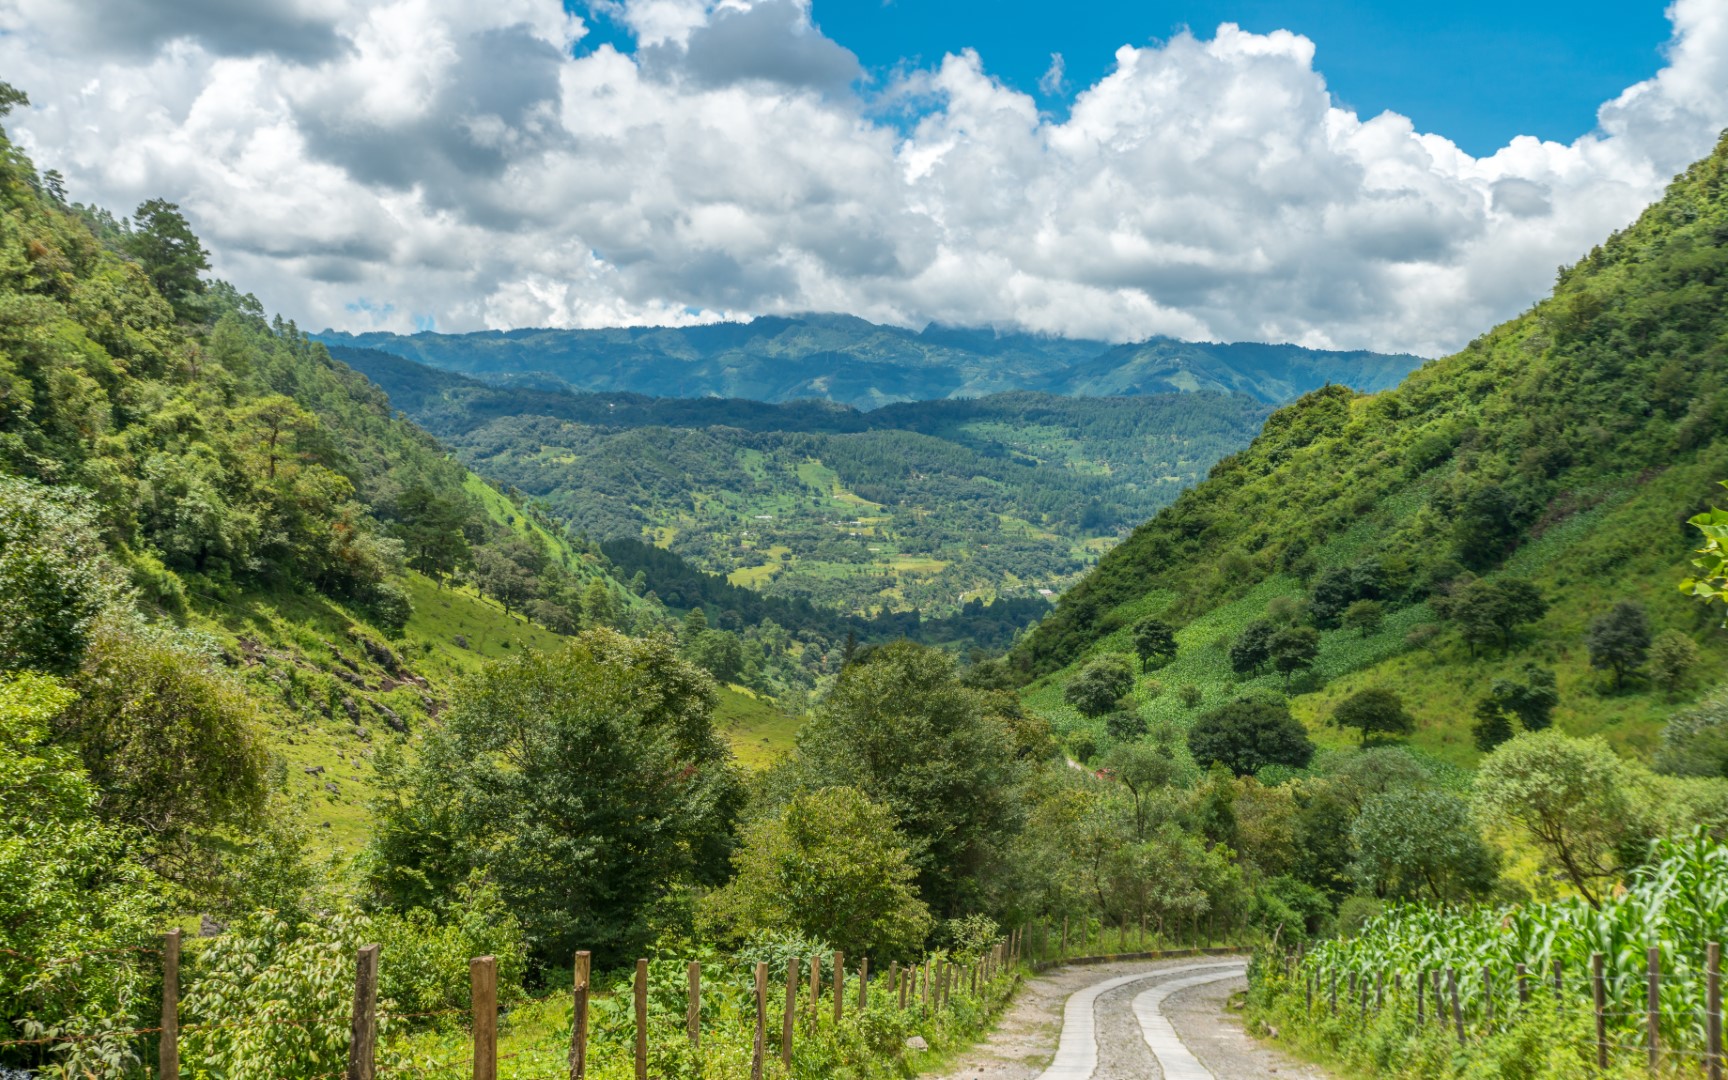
(1653, 1003)
(168, 1056)
(1713, 1009)
(1439, 1001)
(483, 1003)
(1599, 995)
(900, 983)
(1308, 988)
(1332, 995)
(363, 1031)
(1421, 996)
(1379, 990)
(815, 989)
(1457, 1013)
(759, 1048)
(839, 986)
(863, 983)
(1559, 983)
(1488, 997)
(1523, 984)
(788, 1022)
(641, 989)
(579, 1017)
(924, 996)
(693, 1017)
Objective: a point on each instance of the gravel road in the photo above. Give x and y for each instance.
(1176, 1005)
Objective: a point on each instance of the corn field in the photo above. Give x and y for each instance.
(1637, 966)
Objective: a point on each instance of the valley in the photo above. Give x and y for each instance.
(917, 507)
(617, 687)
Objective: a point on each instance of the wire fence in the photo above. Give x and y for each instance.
(1670, 1019)
(927, 989)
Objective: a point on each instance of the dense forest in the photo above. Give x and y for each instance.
(847, 360)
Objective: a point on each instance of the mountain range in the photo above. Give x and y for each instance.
(851, 361)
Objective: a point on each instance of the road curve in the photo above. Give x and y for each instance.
(1127, 1020)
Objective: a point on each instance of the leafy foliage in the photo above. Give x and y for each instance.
(588, 784)
(830, 866)
(1374, 712)
(1100, 685)
(1249, 734)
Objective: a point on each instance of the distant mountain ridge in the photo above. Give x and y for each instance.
(851, 361)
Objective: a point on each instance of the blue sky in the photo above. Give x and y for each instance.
(1476, 71)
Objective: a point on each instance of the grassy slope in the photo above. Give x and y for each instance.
(1567, 402)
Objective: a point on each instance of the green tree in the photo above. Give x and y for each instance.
(1485, 524)
(588, 783)
(1252, 647)
(1490, 612)
(1619, 640)
(171, 740)
(599, 607)
(1248, 734)
(1124, 725)
(1673, 655)
(1293, 649)
(1491, 727)
(1365, 616)
(1530, 701)
(55, 577)
(434, 531)
(1154, 641)
(830, 866)
(1565, 795)
(172, 257)
(1097, 688)
(719, 653)
(68, 886)
(900, 726)
(1374, 712)
(1142, 768)
(503, 578)
(1415, 842)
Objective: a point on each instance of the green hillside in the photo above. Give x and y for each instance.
(1566, 448)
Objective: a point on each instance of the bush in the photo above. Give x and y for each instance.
(1098, 686)
(55, 577)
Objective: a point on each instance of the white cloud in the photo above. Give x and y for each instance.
(364, 164)
(1054, 80)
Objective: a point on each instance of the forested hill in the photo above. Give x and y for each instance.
(919, 506)
(1482, 521)
(848, 360)
(197, 500)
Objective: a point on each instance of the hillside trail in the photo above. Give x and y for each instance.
(1135, 1020)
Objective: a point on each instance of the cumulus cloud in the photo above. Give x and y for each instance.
(388, 164)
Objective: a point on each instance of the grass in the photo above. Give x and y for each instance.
(759, 732)
(1627, 544)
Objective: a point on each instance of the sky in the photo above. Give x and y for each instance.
(1478, 71)
(1371, 175)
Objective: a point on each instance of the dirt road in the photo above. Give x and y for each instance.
(1144, 1020)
